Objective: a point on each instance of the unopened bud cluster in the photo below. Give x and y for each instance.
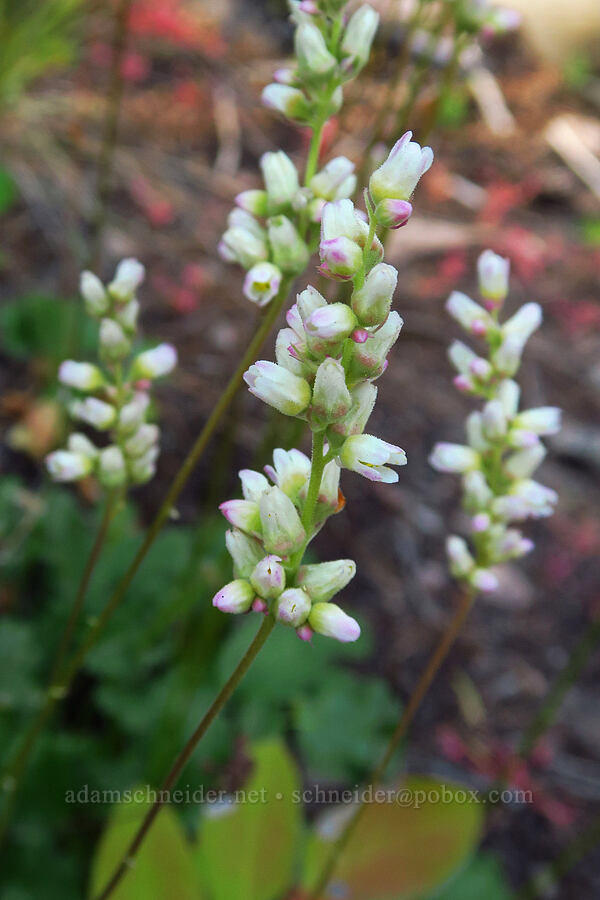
(114, 395)
(271, 230)
(503, 447)
(268, 533)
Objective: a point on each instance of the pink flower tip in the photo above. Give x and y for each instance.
(305, 633)
(360, 335)
(259, 606)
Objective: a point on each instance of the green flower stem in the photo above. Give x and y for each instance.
(184, 756)
(60, 690)
(434, 663)
(316, 475)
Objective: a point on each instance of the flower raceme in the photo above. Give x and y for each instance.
(112, 396)
(503, 447)
(328, 357)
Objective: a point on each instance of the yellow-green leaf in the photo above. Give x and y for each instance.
(399, 849)
(247, 849)
(164, 866)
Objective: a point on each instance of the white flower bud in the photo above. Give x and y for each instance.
(372, 302)
(254, 484)
(80, 444)
(293, 607)
(469, 314)
(133, 413)
(460, 559)
(243, 246)
(80, 375)
(368, 455)
(493, 272)
(475, 433)
(156, 362)
(287, 100)
(363, 397)
(114, 343)
(494, 420)
(127, 315)
(254, 202)
(243, 514)
(369, 360)
(289, 352)
(322, 581)
(335, 181)
(484, 580)
(508, 393)
(65, 465)
(477, 491)
(283, 532)
(512, 545)
(262, 283)
(453, 458)
(524, 463)
(328, 500)
(95, 412)
(539, 499)
(94, 295)
(331, 398)
(244, 550)
(290, 253)
(541, 420)
(331, 621)
(144, 438)
(334, 322)
(268, 578)
(278, 387)
(290, 471)
(358, 36)
(398, 176)
(524, 322)
(314, 59)
(112, 471)
(281, 179)
(128, 277)
(507, 358)
(235, 597)
(307, 302)
(142, 468)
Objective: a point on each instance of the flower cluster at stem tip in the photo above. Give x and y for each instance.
(114, 396)
(503, 444)
(328, 359)
(272, 231)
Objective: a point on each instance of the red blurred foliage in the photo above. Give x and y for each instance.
(450, 272)
(184, 296)
(156, 208)
(170, 20)
(135, 67)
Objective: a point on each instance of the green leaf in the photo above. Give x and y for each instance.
(482, 877)
(400, 849)
(248, 849)
(46, 327)
(164, 866)
(8, 191)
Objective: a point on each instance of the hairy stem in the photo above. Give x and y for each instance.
(433, 665)
(184, 756)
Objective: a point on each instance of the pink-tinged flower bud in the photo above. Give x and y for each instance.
(245, 551)
(512, 545)
(95, 298)
(143, 468)
(477, 491)
(278, 387)
(285, 76)
(254, 484)
(322, 581)
(283, 532)
(243, 514)
(127, 315)
(133, 413)
(480, 523)
(507, 358)
(541, 420)
(281, 180)
(80, 444)
(305, 633)
(307, 301)
(268, 577)
(508, 393)
(259, 606)
(524, 463)
(372, 302)
(331, 398)
(80, 375)
(524, 322)
(287, 100)
(333, 322)
(156, 362)
(358, 36)
(95, 412)
(460, 560)
(314, 59)
(290, 351)
(341, 258)
(293, 607)
(461, 357)
(539, 499)
(262, 283)
(464, 384)
(399, 175)
(481, 369)
(363, 397)
(493, 420)
(493, 271)
(114, 343)
(144, 438)
(369, 455)
(328, 500)
(128, 277)
(476, 437)
(335, 181)
(521, 439)
(255, 202)
(368, 360)
(236, 597)
(484, 580)
(469, 314)
(331, 621)
(453, 458)
(112, 470)
(64, 465)
(289, 252)
(393, 213)
(290, 471)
